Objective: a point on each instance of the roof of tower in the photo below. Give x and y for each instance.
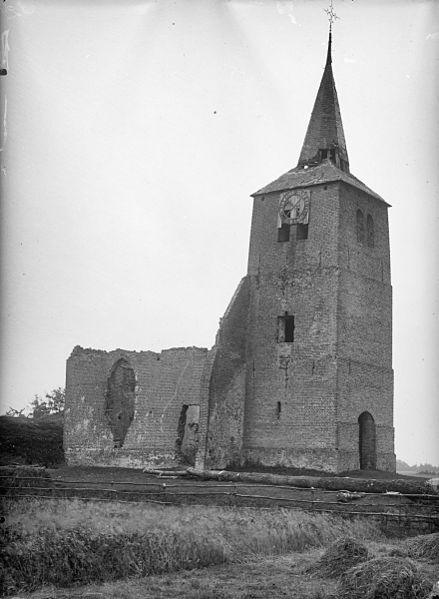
(325, 172)
(325, 129)
(324, 158)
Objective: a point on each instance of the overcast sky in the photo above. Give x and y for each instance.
(136, 131)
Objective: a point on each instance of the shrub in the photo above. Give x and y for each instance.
(31, 441)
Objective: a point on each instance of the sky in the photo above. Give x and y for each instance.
(134, 133)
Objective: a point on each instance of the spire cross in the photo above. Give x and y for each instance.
(331, 14)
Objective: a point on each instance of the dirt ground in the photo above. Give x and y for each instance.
(133, 474)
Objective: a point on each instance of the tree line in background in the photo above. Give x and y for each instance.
(402, 466)
(52, 403)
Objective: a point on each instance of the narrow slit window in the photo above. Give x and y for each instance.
(278, 409)
(283, 233)
(286, 328)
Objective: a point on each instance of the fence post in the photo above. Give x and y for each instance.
(164, 491)
(400, 511)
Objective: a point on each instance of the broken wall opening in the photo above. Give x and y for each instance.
(119, 401)
(186, 444)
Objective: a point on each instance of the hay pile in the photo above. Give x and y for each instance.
(384, 578)
(339, 557)
(423, 547)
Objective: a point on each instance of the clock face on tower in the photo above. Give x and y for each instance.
(294, 207)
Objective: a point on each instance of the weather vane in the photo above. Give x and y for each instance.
(331, 14)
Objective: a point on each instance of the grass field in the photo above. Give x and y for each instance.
(137, 550)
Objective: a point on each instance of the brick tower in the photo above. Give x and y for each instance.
(302, 372)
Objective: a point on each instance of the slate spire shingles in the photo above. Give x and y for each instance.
(325, 129)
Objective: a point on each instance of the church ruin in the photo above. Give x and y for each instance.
(300, 374)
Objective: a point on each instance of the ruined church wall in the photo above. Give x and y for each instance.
(227, 384)
(164, 383)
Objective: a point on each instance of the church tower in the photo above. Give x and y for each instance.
(302, 366)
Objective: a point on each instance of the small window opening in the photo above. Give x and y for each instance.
(332, 155)
(283, 233)
(302, 231)
(323, 154)
(343, 165)
(370, 231)
(286, 329)
(278, 409)
(360, 227)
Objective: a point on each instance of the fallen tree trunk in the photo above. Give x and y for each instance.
(333, 483)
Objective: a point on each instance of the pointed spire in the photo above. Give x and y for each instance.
(329, 54)
(325, 137)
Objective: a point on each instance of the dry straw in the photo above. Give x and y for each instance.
(384, 578)
(67, 543)
(423, 547)
(339, 557)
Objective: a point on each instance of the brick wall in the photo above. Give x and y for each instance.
(227, 383)
(303, 399)
(364, 332)
(164, 383)
(290, 409)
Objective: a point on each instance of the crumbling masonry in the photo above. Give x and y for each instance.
(301, 372)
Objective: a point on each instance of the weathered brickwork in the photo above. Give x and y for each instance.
(301, 371)
(164, 383)
(227, 384)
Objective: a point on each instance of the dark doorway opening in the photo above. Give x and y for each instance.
(367, 441)
(186, 444)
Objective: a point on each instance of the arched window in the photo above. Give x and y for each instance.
(360, 226)
(370, 231)
(367, 441)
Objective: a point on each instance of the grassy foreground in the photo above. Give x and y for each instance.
(65, 543)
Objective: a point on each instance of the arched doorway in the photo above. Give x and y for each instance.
(120, 396)
(367, 441)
